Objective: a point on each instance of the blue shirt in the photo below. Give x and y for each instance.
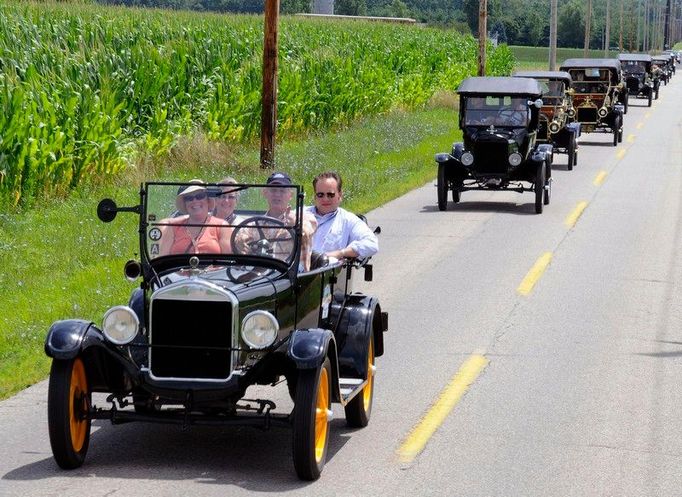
(340, 229)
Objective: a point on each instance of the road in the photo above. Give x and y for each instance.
(577, 390)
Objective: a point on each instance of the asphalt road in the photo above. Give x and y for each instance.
(579, 392)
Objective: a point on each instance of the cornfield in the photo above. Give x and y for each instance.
(83, 88)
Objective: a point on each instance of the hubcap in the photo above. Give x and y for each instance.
(367, 391)
(78, 405)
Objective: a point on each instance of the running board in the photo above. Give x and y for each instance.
(349, 388)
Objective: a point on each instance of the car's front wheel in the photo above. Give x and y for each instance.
(359, 409)
(68, 405)
(312, 413)
(650, 99)
(442, 188)
(539, 188)
(571, 152)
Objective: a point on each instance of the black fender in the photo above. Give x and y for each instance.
(543, 152)
(66, 339)
(575, 128)
(308, 348)
(457, 150)
(360, 316)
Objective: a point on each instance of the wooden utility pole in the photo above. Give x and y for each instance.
(552, 35)
(482, 34)
(269, 112)
(620, 34)
(607, 33)
(588, 21)
(666, 28)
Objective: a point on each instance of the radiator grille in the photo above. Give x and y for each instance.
(587, 114)
(190, 339)
(491, 157)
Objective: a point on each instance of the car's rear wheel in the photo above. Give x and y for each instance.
(68, 405)
(548, 183)
(359, 409)
(442, 188)
(539, 188)
(650, 99)
(456, 192)
(571, 152)
(626, 103)
(312, 413)
(616, 127)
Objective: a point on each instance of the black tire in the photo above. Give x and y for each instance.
(571, 153)
(650, 99)
(615, 137)
(359, 410)
(548, 184)
(539, 188)
(442, 188)
(68, 402)
(620, 135)
(455, 194)
(310, 420)
(626, 103)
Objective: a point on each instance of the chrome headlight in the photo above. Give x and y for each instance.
(602, 111)
(554, 127)
(571, 112)
(120, 324)
(259, 329)
(467, 158)
(515, 159)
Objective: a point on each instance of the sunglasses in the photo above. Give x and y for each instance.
(327, 194)
(197, 196)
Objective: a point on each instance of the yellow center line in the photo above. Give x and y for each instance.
(639, 125)
(575, 215)
(534, 274)
(647, 115)
(631, 138)
(448, 399)
(599, 179)
(620, 154)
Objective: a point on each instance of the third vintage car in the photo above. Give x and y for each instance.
(221, 306)
(556, 115)
(598, 89)
(637, 70)
(499, 118)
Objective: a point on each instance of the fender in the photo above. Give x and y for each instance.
(575, 128)
(360, 316)
(308, 348)
(457, 150)
(67, 338)
(543, 151)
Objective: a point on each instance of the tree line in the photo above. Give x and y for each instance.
(634, 24)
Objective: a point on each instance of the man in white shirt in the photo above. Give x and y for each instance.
(340, 234)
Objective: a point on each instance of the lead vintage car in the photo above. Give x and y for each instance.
(557, 113)
(637, 70)
(499, 119)
(598, 90)
(214, 315)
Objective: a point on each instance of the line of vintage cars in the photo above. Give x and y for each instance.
(513, 126)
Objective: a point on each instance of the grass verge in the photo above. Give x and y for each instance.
(60, 262)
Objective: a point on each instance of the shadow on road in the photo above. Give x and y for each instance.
(484, 206)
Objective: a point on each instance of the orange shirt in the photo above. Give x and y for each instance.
(208, 241)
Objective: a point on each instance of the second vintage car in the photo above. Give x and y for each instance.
(221, 307)
(499, 118)
(637, 70)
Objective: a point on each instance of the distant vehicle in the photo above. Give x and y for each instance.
(557, 112)
(662, 68)
(598, 90)
(638, 73)
(499, 119)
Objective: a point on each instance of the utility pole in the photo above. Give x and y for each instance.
(620, 34)
(588, 20)
(607, 33)
(269, 100)
(552, 35)
(666, 29)
(482, 34)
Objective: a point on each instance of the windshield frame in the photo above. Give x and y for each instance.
(490, 113)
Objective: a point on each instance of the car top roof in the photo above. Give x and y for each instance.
(560, 75)
(660, 56)
(644, 57)
(587, 63)
(496, 85)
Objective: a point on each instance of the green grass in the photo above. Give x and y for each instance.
(529, 58)
(60, 262)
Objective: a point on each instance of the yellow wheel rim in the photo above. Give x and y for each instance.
(321, 420)
(78, 405)
(367, 391)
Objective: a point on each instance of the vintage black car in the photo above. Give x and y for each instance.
(220, 307)
(637, 70)
(499, 118)
(663, 67)
(557, 113)
(597, 91)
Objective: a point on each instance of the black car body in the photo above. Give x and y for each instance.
(556, 115)
(663, 67)
(206, 325)
(637, 71)
(598, 91)
(499, 118)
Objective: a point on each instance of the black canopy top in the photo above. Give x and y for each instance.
(637, 57)
(551, 75)
(489, 85)
(662, 56)
(611, 64)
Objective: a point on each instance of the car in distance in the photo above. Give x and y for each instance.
(499, 119)
(556, 115)
(208, 322)
(637, 70)
(597, 91)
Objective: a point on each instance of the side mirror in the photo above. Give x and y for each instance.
(106, 210)
(369, 272)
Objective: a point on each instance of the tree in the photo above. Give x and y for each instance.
(350, 7)
(571, 30)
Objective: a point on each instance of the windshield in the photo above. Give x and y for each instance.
(209, 219)
(496, 111)
(552, 91)
(591, 80)
(634, 66)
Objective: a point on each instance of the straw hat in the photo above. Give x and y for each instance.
(196, 186)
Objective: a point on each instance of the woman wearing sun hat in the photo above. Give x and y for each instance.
(195, 231)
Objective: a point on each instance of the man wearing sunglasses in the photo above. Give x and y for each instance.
(340, 234)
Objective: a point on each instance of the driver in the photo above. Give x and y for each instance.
(279, 208)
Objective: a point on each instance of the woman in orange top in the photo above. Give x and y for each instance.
(179, 238)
